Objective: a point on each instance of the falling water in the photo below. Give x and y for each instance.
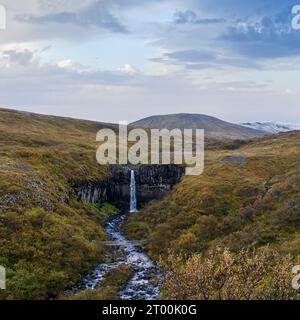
(146, 280)
(133, 204)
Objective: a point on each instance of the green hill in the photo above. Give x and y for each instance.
(214, 128)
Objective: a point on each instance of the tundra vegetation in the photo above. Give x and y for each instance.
(240, 217)
(249, 274)
(48, 238)
(248, 198)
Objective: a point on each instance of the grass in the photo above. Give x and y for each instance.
(237, 205)
(48, 238)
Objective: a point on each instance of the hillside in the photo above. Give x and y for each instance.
(214, 128)
(246, 197)
(48, 238)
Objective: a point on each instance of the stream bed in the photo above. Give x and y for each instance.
(144, 284)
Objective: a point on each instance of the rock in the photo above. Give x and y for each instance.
(248, 215)
(38, 199)
(234, 159)
(292, 203)
(23, 167)
(152, 182)
(249, 192)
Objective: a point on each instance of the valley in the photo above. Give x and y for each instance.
(59, 210)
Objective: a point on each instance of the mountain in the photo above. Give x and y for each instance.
(213, 127)
(271, 127)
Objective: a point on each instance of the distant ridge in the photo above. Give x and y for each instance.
(272, 127)
(213, 127)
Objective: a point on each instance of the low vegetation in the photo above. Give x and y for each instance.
(114, 280)
(247, 202)
(250, 274)
(248, 197)
(48, 238)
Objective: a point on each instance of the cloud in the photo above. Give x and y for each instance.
(64, 73)
(190, 17)
(191, 56)
(240, 34)
(128, 68)
(95, 15)
(101, 64)
(23, 57)
(204, 59)
(243, 7)
(266, 37)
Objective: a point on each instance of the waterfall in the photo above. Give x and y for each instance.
(133, 202)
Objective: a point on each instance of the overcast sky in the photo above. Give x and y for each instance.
(112, 60)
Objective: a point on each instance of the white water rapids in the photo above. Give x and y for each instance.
(144, 284)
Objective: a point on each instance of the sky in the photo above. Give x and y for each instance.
(122, 60)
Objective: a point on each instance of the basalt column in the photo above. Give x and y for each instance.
(152, 182)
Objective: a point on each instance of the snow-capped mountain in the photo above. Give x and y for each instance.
(272, 127)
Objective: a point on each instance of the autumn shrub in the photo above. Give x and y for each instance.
(252, 274)
(46, 253)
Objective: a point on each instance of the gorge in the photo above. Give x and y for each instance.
(126, 187)
(152, 183)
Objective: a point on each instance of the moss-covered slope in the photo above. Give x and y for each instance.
(246, 197)
(47, 238)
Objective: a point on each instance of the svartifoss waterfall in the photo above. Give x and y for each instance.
(146, 280)
(133, 202)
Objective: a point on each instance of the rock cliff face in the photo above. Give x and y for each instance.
(152, 182)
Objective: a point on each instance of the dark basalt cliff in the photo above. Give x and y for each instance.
(152, 182)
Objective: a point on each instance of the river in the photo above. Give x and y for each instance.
(144, 284)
